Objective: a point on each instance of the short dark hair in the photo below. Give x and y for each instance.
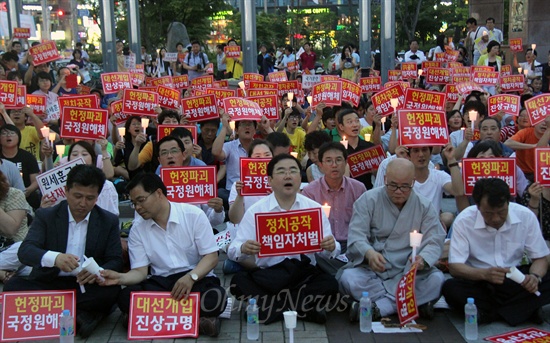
(471, 21)
(475, 106)
(490, 118)
(89, 148)
(413, 40)
(238, 123)
(86, 175)
(13, 128)
(278, 139)
(490, 19)
(127, 134)
(181, 133)
(78, 44)
(178, 44)
(169, 139)
(328, 113)
(316, 139)
(492, 44)
(496, 190)
(195, 42)
(232, 40)
(10, 56)
(533, 50)
(289, 48)
(483, 146)
(332, 146)
(279, 158)
(77, 51)
(15, 42)
(168, 114)
(13, 75)
(257, 142)
(44, 76)
(215, 122)
(344, 113)
(149, 181)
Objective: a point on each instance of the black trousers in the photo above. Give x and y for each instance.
(509, 300)
(310, 294)
(213, 296)
(96, 299)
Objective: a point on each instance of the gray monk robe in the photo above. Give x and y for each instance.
(378, 224)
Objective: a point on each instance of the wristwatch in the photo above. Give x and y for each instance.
(194, 277)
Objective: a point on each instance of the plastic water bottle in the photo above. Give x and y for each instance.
(365, 313)
(470, 324)
(252, 321)
(66, 327)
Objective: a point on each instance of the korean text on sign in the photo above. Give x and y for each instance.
(438, 76)
(139, 102)
(114, 82)
(382, 100)
(254, 176)
(84, 123)
(21, 32)
(329, 92)
(284, 87)
(370, 84)
(232, 51)
(512, 83)
(155, 315)
(116, 110)
(351, 92)
(37, 103)
(516, 44)
(405, 297)
(242, 109)
(474, 169)
(81, 101)
(277, 76)
(422, 128)
(221, 94)
(180, 81)
(248, 77)
(291, 232)
(203, 82)
(34, 315)
(542, 166)
(269, 105)
(529, 335)
(165, 130)
(366, 161)
(194, 185)
(419, 99)
(8, 92)
(162, 81)
(506, 103)
(200, 108)
(538, 108)
(169, 97)
(44, 53)
(52, 183)
(20, 99)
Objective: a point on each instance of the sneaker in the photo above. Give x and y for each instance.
(231, 267)
(426, 310)
(209, 326)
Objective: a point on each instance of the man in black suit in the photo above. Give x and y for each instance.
(61, 236)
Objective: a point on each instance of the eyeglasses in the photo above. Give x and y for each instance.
(337, 161)
(404, 188)
(164, 153)
(291, 172)
(139, 201)
(8, 133)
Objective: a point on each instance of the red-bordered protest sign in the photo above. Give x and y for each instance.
(538, 108)
(232, 51)
(486, 78)
(505, 70)
(242, 109)
(440, 57)
(20, 99)
(290, 232)
(8, 92)
(394, 75)
(451, 55)
(370, 84)
(542, 166)
(169, 97)
(431, 64)
(269, 105)
(516, 44)
(140, 102)
(37, 103)
(221, 94)
(366, 161)
(409, 70)
(405, 297)
(21, 32)
(165, 130)
(474, 169)
(114, 82)
(512, 83)
(403, 84)
(422, 128)
(309, 80)
(262, 85)
(203, 82)
(453, 65)
(254, 176)
(277, 76)
(180, 82)
(351, 92)
(248, 77)
(137, 79)
(44, 53)
(284, 87)
(84, 123)
(156, 315)
(476, 69)
(116, 108)
(329, 92)
(162, 81)
(467, 87)
(221, 84)
(452, 93)
(382, 100)
(529, 335)
(460, 74)
(52, 183)
(82, 101)
(262, 92)
(419, 99)
(292, 66)
(84, 89)
(199, 108)
(193, 185)
(34, 315)
(438, 76)
(508, 103)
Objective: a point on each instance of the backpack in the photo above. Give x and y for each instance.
(201, 54)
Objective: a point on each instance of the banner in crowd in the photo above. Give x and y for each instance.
(292, 66)
(82, 101)
(242, 109)
(232, 51)
(479, 69)
(262, 92)
(394, 75)
(221, 94)
(452, 93)
(419, 99)
(474, 169)
(140, 102)
(467, 87)
(309, 81)
(169, 97)
(170, 57)
(366, 161)
(20, 98)
(114, 82)
(34, 315)
(505, 70)
(52, 182)
(21, 33)
(180, 82)
(221, 84)
(351, 92)
(529, 335)
(269, 105)
(538, 108)
(261, 85)
(516, 44)
(156, 315)
(285, 87)
(438, 76)
(329, 92)
(200, 108)
(193, 185)
(8, 92)
(165, 130)
(161, 81)
(44, 53)
(247, 77)
(542, 166)
(507, 103)
(422, 128)
(37, 103)
(84, 123)
(382, 100)
(405, 297)
(486, 78)
(370, 84)
(290, 232)
(277, 76)
(202, 82)
(116, 108)
(460, 74)
(409, 70)
(254, 176)
(512, 83)
(431, 64)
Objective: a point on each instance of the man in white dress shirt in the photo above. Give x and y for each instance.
(415, 55)
(288, 281)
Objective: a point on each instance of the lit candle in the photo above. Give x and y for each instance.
(473, 117)
(533, 46)
(525, 72)
(420, 72)
(52, 138)
(60, 149)
(290, 96)
(144, 124)
(460, 165)
(45, 131)
(415, 239)
(383, 121)
(232, 126)
(326, 209)
(394, 102)
(122, 132)
(309, 99)
(241, 84)
(367, 137)
(344, 142)
(294, 154)
(289, 104)
(520, 69)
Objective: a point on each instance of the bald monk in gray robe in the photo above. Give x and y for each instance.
(379, 243)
